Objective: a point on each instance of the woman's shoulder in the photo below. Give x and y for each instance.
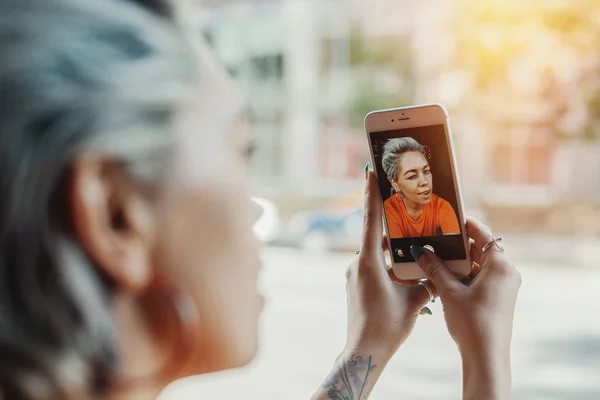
(390, 203)
(439, 202)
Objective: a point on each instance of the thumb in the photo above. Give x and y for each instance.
(373, 223)
(436, 270)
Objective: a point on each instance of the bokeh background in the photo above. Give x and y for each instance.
(521, 81)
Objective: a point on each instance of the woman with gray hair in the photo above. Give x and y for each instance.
(119, 146)
(126, 260)
(414, 210)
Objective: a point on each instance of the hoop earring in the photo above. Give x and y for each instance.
(184, 308)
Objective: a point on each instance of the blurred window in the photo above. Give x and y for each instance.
(269, 67)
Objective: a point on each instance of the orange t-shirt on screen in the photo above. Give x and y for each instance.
(438, 218)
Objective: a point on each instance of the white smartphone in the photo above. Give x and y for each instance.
(412, 154)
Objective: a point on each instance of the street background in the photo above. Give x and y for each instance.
(521, 81)
(556, 345)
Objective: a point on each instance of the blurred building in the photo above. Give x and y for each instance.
(507, 142)
(292, 58)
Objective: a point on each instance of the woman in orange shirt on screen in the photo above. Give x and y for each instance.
(414, 210)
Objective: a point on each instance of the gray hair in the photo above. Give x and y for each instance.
(392, 153)
(75, 76)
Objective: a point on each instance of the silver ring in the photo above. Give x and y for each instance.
(357, 252)
(494, 242)
(429, 292)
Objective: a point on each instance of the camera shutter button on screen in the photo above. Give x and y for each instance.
(429, 247)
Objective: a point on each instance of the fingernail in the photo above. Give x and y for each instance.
(416, 251)
(367, 170)
(428, 311)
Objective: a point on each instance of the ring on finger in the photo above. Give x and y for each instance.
(494, 242)
(429, 291)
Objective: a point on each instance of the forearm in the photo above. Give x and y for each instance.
(353, 375)
(486, 376)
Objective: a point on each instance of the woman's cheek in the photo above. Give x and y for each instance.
(412, 186)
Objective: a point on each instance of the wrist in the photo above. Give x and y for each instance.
(354, 374)
(486, 373)
(380, 354)
(485, 351)
(371, 341)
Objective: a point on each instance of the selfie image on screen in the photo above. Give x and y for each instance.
(418, 191)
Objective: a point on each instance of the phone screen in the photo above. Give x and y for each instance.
(418, 191)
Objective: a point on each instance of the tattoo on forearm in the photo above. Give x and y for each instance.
(350, 380)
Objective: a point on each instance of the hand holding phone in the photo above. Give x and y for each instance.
(381, 313)
(413, 156)
(479, 315)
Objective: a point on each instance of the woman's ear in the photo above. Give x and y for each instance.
(394, 185)
(112, 221)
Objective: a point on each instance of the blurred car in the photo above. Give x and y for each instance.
(325, 230)
(269, 225)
